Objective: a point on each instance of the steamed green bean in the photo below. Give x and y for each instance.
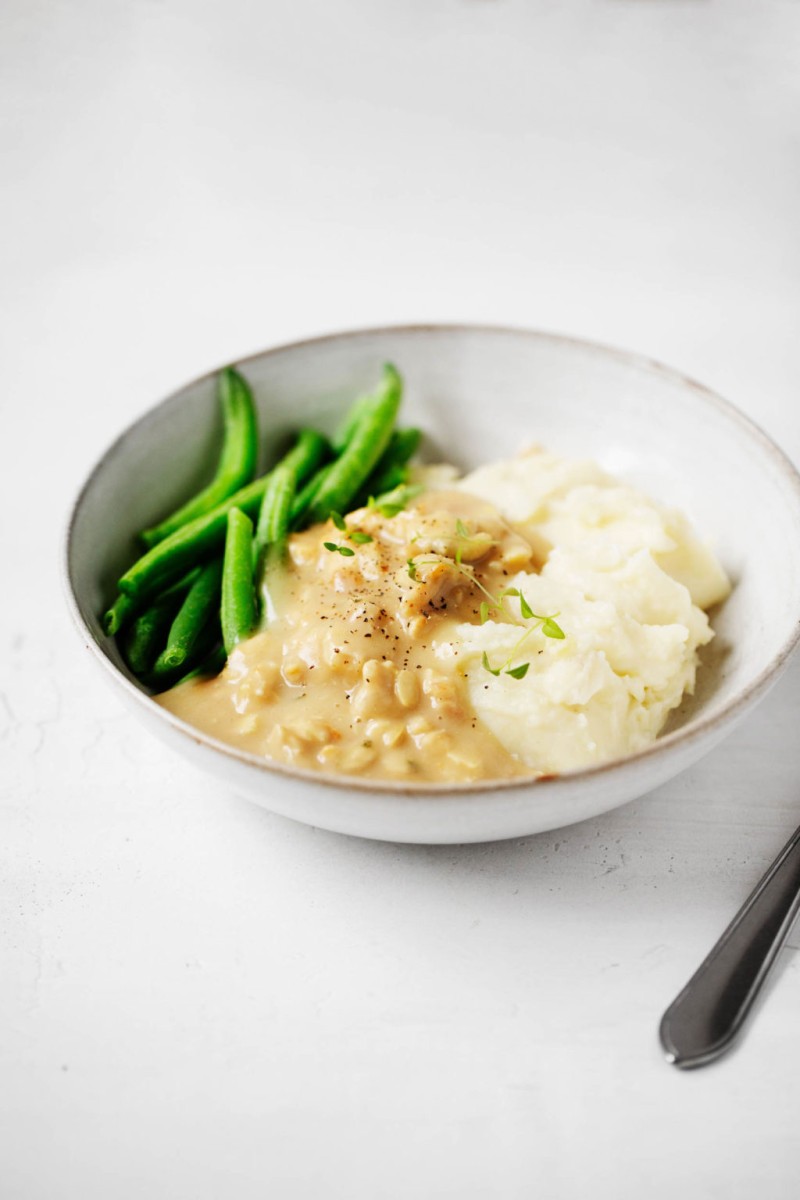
(197, 610)
(392, 469)
(190, 544)
(367, 443)
(146, 635)
(238, 611)
(198, 539)
(237, 460)
(276, 507)
(196, 584)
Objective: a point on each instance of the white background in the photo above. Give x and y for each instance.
(198, 999)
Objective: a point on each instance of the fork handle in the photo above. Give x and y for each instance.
(705, 1018)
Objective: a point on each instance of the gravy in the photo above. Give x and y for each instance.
(345, 678)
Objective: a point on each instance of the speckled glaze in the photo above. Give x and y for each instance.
(479, 393)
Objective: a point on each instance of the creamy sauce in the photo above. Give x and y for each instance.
(345, 678)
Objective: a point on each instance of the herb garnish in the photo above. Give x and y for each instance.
(547, 624)
(354, 535)
(393, 502)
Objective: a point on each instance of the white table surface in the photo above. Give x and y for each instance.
(199, 999)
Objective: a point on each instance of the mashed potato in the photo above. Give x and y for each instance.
(628, 580)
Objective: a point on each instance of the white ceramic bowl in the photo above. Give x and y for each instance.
(479, 393)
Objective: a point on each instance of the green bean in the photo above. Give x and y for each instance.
(304, 497)
(211, 665)
(391, 471)
(199, 539)
(237, 460)
(307, 453)
(305, 458)
(198, 607)
(192, 543)
(174, 629)
(395, 477)
(202, 658)
(367, 443)
(269, 545)
(120, 613)
(146, 635)
(350, 422)
(276, 507)
(238, 610)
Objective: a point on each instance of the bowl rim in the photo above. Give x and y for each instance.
(699, 728)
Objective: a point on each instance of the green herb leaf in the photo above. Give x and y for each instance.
(412, 570)
(551, 629)
(389, 504)
(509, 592)
(484, 611)
(487, 665)
(338, 520)
(461, 529)
(518, 672)
(343, 550)
(524, 607)
(360, 538)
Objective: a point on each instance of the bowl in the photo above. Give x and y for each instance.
(479, 393)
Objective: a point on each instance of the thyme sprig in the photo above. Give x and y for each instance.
(546, 623)
(356, 536)
(548, 626)
(464, 538)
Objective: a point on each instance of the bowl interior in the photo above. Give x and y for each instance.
(483, 394)
(479, 394)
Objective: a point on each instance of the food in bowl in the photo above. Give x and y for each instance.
(531, 618)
